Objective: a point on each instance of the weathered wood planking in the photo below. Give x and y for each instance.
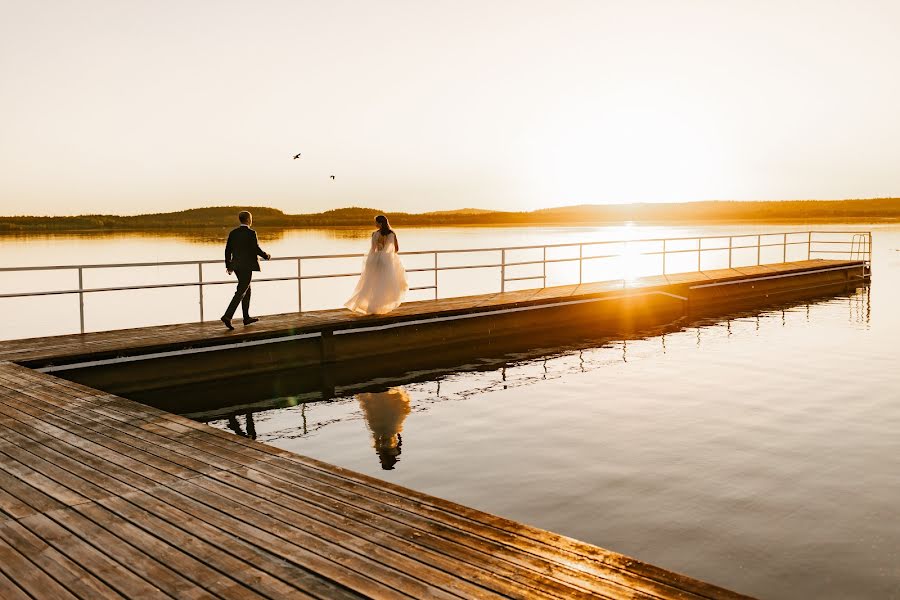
(49, 350)
(101, 497)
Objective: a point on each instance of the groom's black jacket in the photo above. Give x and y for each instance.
(242, 250)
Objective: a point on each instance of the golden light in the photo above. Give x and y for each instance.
(629, 262)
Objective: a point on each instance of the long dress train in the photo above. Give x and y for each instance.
(382, 283)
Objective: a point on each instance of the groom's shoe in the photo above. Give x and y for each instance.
(228, 324)
(250, 320)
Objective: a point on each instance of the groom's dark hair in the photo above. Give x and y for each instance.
(244, 216)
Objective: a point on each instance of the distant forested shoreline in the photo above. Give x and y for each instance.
(874, 210)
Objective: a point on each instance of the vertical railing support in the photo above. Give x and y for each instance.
(200, 286)
(503, 270)
(758, 250)
(808, 245)
(81, 297)
(699, 252)
(544, 265)
(435, 276)
(664, 257)
(784, 247)
(580, 262)
(299, 286)
(729, 251)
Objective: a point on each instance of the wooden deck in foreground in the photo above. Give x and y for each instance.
(101, 497)
(37, 352)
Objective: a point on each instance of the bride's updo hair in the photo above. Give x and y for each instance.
(383, 226)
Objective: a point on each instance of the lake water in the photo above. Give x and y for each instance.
(759, 451)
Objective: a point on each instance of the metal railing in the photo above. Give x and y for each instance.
(817, 243)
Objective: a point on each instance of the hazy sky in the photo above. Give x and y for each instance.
(135, 106)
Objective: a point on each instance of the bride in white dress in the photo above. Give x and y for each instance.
(382, 283)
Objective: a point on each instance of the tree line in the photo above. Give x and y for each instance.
(876, 209)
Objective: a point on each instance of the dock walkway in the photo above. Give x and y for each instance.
(39, 352)
(101, 497)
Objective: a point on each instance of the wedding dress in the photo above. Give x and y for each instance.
(382, 283)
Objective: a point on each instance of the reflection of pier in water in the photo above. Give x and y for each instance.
(509, 368)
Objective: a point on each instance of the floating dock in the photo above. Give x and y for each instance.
(102, 497)
(140, 359)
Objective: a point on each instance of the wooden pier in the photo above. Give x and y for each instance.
(314, 337)
(102, 497)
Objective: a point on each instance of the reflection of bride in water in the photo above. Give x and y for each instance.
(385, 413)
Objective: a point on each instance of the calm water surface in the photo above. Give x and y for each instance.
(759, 452)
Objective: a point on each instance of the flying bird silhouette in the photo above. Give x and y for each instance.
(297, 156)
(332, 176)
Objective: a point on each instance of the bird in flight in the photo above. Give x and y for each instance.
(297, 156)
(332, 176)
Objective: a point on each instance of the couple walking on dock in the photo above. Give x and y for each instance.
(381, 287)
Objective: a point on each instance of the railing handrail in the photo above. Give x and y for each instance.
(860, 247)
(212, 261)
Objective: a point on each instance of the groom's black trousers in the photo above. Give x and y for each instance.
(241, 295)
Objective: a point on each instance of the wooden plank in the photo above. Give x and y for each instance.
(141, 563)
(200, 574)
(95, 471)
(90, 558)
(73, 576)
(195, 578)
(33, 581)
(28, 500)
(109, 476)
(226, 553)
(345, 569)
(374, 525)
(10, 591)
(231, 543)
(130, 456)
(358, 535)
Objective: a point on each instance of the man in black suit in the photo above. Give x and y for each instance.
(241, 253)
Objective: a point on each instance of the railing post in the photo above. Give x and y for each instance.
(699, 253)
(200, 285)
(81, 297)
(784, 247)
(729, 251)
(544, 265)
(299, 286)
(435, 276)
(502, 270)
(664, 257)
(580, 262)
(758, 249)
(808, 245)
